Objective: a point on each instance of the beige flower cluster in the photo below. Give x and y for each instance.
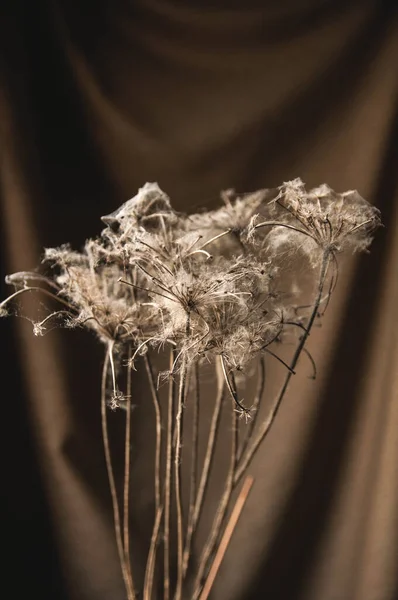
(207, 284)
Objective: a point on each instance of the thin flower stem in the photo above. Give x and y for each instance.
(216, 237)
(126, 490)
(266, 426)
(24, 276)
(254, 408)
(231, 387)
(359, 226)
(226, 538)
(158, 282)
(54, 314)
(151, 561)
(312, 361)
(281, 224)
(149, 291)
(194, 463)
(177, 475)
(310, 358)
(279, 359)
(36, 289)
(201, 251)
(167, 483)
(111, 478)
(112, 362)
(204, 477)
(333, 282)
(158, 421)
(290, 211)
(137, 350)
(216, 529)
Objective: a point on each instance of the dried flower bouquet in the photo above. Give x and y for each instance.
(210, 289)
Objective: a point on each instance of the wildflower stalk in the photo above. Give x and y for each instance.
(254, 408)
(207, 463)
(151, 560)
(126, 489)
(218, 521)
(215, 238)
(281, 224)
(266, 426)
(111, 478)
(35, 289)
(194, 465)
(239, 469)
(158, 425)
(167, 482)
(226, 538)
(177, 474)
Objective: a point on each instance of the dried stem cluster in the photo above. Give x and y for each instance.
(214, 288)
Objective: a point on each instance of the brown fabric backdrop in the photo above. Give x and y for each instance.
(99, 97)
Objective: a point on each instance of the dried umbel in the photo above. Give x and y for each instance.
(213, 288)
(319, 220)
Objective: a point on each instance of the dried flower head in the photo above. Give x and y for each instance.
(318, 220)
(150, 280)
(227, 225)
(147, 209)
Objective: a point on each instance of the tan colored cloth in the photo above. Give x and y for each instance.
(99, 97)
